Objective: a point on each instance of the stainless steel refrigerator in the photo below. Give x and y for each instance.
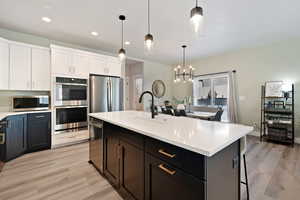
(106, 94)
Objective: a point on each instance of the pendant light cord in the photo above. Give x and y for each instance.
(196, 3)
(149, 16)
(122, 34)
(183, 58)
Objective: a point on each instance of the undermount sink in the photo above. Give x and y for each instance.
(147, 118)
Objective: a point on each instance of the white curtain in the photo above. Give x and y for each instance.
(233, 99)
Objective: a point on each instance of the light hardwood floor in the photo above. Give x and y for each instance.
(64, 174)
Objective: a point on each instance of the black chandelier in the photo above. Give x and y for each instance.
(187, 73)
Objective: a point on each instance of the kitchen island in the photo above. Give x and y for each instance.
(170, 157)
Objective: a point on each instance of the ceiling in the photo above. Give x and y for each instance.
(228, 24)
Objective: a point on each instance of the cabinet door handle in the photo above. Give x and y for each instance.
(168, 171)
(2, 138)
(40, 116)
(161, 151)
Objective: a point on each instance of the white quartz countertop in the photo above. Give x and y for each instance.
(200, 136)
(6, 114)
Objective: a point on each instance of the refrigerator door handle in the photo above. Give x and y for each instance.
(108, 96)
(111, 94)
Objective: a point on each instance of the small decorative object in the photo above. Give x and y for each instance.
(158, 88)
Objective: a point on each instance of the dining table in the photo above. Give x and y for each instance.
(201, 115)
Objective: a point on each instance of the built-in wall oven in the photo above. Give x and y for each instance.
(71, 107)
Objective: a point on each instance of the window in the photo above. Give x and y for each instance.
(212, 91)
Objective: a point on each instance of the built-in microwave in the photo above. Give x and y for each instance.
(28, 103)
(70, 91)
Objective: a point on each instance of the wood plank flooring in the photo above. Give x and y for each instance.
(64, 174)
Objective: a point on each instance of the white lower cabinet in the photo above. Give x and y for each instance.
(20, 67)
(4, 65)
(40, 69)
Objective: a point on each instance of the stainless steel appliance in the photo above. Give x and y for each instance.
(96, 143)
(71, 117)
(71, 104)
(70, 91)
(27, 103)
(106, 94)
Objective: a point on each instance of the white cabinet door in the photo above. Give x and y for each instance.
(4, 65)
(80, 64)
(114, 66)
(61, 62)
(40, 69)
(98, 65)
(20, 67)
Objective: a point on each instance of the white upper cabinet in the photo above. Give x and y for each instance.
(114, 66)
(98, 65)
(4, 65)
(20, 67)
(61, 62)
(80, 64)
(77, 63)
(40, 69)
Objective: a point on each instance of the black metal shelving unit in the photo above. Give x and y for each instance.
(278, 117)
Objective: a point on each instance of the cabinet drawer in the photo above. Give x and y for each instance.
(191, 162)
(39, 116)
(163, 181)
(132, 138)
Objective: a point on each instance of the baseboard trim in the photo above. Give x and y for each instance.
(257, 134)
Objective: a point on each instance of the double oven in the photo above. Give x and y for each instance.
(71, 103)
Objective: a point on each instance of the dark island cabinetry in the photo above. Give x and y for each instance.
(143, 168)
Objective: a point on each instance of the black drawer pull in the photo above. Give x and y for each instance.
(40, 116)
(161, 151)
(168, 171)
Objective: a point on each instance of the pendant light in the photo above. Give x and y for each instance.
(187, 73)
(149, 37)
(122, 52)
(196, 16)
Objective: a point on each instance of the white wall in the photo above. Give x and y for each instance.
(255, 66)
(155, 71)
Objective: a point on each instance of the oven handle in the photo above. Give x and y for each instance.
(77, 84)
(62, 107)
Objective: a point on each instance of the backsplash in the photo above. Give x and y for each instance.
(5, 97)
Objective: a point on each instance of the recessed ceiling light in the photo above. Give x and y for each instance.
(46, 19)
(94, 33)
(127, 43)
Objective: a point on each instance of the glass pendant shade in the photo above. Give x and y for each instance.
(196, 17)
(149, 41)
(122, 54)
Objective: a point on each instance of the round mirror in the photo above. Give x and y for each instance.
(158, 88)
